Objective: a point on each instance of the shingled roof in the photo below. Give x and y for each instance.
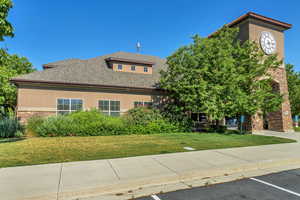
(95, 71)
(62, 63)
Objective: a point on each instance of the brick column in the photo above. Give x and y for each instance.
(280, 120)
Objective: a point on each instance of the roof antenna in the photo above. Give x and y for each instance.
(138, 47)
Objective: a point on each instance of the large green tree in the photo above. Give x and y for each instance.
(220, 76)
(293, 79)
(6, 28)
(10, 65)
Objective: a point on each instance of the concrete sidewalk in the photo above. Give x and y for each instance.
(126, 178)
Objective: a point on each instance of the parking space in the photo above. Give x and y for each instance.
(284, 185)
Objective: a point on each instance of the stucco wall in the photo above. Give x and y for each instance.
(37, 100)
(127, 68)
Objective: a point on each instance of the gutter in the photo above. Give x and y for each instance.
(24, 81)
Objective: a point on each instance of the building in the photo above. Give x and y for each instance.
(117, 82)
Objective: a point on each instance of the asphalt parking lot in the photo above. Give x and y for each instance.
(279, 186)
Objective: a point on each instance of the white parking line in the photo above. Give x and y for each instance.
(275, 186)
(155, 197)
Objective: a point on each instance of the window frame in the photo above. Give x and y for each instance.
(109, 111)
(146, 69)
(142, 104)
(70, 105)
(133, 68)
(120, 66)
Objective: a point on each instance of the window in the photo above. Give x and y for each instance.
(142, 104)
(148, 104)
(132, 67)
(65, 106)
(120, 67)
(138, 104)
(145, 69)
(108, 107)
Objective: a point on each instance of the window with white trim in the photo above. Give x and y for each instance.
(142, 104)
(109, 107)
(65, 106)
(120, 67)
(132, 67)
(145, 69)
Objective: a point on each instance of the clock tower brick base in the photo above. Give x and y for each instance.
(251, 26)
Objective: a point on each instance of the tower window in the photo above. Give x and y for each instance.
(132, 67)
(145, 69)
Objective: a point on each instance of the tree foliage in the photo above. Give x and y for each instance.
(220, 76)
(6, 28)
(293, 79)
(10, 66)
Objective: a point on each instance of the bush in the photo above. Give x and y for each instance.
(217, 129)
(142, 116)
(94, 123)
(83, 123)
(57, 126)
(33, 123)
(143, 120)
(10, 128)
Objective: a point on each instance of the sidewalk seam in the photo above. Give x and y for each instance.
(59, 181)
(115, 172)
(166, 166)
(232, 156)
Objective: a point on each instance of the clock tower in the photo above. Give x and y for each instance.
(269, 34)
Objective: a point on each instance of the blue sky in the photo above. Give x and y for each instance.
(52, 30)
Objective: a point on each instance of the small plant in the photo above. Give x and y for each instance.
(10, 127)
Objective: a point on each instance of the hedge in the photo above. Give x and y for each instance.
(93, 123)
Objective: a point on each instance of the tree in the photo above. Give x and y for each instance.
(10, 65)
(293, 79)
(6, 28)
(221, 77)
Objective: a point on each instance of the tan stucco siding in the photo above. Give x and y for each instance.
(127, 68)
(45, 99)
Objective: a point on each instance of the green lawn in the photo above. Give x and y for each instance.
(297, 129)
(40, 150)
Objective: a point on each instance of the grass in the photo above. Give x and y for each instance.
(39, 150)
(297, 129)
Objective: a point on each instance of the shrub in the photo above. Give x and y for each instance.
(83, 123)
(142, 116)
(33, 123)
(10, 127)
(94, 123)
(143, 120)
(57, 126)
(217, 129)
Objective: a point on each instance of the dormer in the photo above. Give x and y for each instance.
(130, 65)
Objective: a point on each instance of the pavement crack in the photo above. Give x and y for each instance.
(59, 181)
(115, 172)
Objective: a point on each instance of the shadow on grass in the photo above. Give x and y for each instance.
(5, 140)
(222, 131)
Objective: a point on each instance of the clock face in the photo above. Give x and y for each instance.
(267, 42)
